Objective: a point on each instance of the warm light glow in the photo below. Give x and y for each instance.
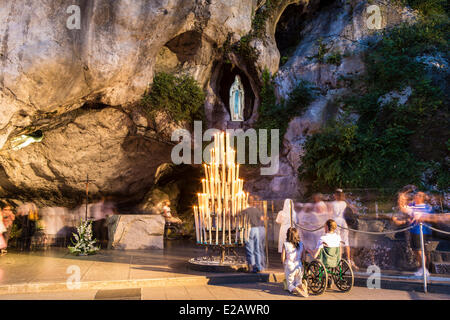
(222, 198)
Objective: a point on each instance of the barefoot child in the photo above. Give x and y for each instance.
(291, 257)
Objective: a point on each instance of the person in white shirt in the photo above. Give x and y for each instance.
(330, 238)
(284, 220)
(337, 211)
(292, 255)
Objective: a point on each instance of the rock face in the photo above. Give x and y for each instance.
(100, 143)
(48, 70)
(341, 28)
(81, 85)
(131, 232)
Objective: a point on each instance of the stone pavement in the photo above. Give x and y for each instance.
(245, 291)
(48, 271)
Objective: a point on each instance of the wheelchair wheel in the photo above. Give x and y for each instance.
(343, 276)
(317, 278)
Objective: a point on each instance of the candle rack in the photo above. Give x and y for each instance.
(219, 222)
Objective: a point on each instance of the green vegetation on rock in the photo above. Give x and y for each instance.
(276, 115)
(389, 144)
(334, 58)
(261, 16)
(179, 97)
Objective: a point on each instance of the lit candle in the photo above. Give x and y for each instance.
(212, 193)
(200, 224)
(223, 226)
(236, 230)
(216, 142)
(196, 223)
(229, 226)
(227, 147)
(210, 227)
(217, 229)
(206, 171)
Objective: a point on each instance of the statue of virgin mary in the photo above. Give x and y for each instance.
(237, 100)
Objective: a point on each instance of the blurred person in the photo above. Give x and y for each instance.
(292, 255)
(99, 213)
(167, 214)
(284, 220)
(27, 215)
(109, 207)
(312, 216)
(320, 206)
(338, 207)
(8, 219)
(416, 211)
(3, 243)
(254, 245)
(54, 220)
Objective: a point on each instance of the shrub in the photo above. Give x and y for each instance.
(180, 98)
(322, 50)
(276, 115)
(334, 58)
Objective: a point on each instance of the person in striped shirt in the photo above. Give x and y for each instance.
(417, 211)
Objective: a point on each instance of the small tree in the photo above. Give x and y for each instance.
(84, 244)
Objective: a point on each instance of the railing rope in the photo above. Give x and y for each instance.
(354, 230)
(437, 230)
(371, 232)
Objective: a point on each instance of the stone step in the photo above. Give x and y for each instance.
(440, 256)
(442, 267)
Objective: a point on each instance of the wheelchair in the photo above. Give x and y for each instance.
(326, 268)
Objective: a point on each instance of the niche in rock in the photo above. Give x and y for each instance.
(186, 45)
(226, 77)
(178, 183)
(183, 48)
(288, 30)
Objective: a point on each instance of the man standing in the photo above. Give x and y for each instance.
(417, 211)
(8, 219)
(254, 245)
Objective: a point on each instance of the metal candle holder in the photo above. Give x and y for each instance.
(219, 221)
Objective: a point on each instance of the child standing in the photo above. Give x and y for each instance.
(291, 257)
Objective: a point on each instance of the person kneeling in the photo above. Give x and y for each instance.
(291, 256)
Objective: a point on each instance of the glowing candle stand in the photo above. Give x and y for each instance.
(219, 221)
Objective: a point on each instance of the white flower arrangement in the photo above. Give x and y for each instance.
(83, 243)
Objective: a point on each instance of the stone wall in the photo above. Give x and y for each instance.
(131, 232)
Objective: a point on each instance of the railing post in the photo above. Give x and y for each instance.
(266, 240)
(423, 259)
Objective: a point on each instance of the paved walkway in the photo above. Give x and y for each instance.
(46, 271)
(247, 291)
(49, 270)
